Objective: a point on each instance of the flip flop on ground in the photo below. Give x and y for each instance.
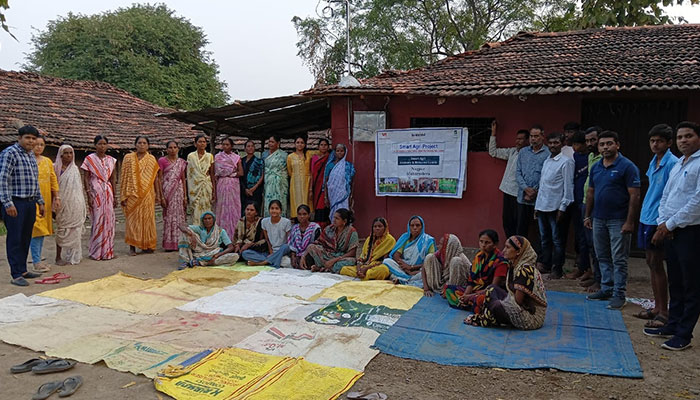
(70, 385)
(658, 322)
(53, 365)
(26, 366)
(47, 389)
(366, 395)
(645, 314)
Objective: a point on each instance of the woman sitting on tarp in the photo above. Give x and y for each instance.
(447, 266)
(489, 267)
(301, 236)
(249, 232)
(376, 248)
(205, 244)
(523, 303)
(406, 258)
(337, 246)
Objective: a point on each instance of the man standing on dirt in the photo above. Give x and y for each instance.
(612, 203)
(591, 279)
(20, 195)
(660, 141)
(509, 185)
(527, 174)
(679, 225)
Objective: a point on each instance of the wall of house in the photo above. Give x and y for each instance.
(481, 204)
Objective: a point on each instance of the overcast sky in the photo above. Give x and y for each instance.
(252, 41)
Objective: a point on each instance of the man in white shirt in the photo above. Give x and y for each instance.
(679, 226)
(556, 193)
(509, 185)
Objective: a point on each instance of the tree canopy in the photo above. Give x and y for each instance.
(145, 49)
(406, 34)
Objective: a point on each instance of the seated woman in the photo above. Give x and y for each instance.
(303, 233)
(523, 303)
(489, 267)
(205, 244)
(406, 258)
(249, 233)
(376, 248)
(275, 229)
(337, 246)
(447, 266)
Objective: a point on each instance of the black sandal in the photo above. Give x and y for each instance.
(47, 389)
(645, 314)
(53, 365)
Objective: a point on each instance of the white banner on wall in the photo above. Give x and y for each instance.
(421, 162)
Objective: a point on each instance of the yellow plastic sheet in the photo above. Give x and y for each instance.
(99, 291)
(158, 299)
(207, 276)
(241, 374)
(378, 293)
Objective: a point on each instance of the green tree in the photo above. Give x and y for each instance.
(597, 13)
(145, 49)
(406, 34)
(4, 5)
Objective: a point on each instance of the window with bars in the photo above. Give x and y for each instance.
(479, 128)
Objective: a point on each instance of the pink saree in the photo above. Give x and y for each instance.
(228, 191)
(174, 195)
(102, 215)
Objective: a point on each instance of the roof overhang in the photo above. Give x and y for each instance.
(286, 116)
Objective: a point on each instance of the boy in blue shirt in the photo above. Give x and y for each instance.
(660, 141)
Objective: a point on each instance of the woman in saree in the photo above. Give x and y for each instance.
(489, 268)
(70, 216)
(100, 180)
(253, 175)
(276, 184)
(205, 244)
(200, 179)
(318, 194)
(303, 233)
(376, 248)
(336, 247)
(447, 266)
(174, 200)
(227, 169)
(338, 179)
(408, 255)
(48, 186)
(139, 192)
(523, 302)
(276, 230)
(299, 169)
(249, 233)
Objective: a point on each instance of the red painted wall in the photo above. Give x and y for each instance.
(481, 204)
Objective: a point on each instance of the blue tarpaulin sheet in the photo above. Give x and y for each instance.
(578, 336)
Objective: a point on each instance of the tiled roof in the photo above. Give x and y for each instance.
(74, 112)
(663, 57)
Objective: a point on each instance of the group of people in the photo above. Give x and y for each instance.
(581, 177)
(578, 176)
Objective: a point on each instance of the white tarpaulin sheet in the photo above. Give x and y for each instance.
(20, 308)
(288, 282)
(244, 303)
(346, 347)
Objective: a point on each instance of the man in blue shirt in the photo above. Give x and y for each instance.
(19, 194)
(679, 225)
(527, 174)
(612, 202)
(660, 141)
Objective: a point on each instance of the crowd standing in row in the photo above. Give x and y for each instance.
(581, 177)
(578, 177)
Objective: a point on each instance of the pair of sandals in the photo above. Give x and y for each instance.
(653, 320)
(41, 366)
(64, 388)
(54, 279)
(366, 395)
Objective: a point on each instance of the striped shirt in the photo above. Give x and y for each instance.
(19, 175)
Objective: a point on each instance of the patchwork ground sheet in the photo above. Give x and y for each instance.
(219, 333)
(254, 332)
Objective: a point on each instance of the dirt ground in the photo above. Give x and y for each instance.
(667, 375)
